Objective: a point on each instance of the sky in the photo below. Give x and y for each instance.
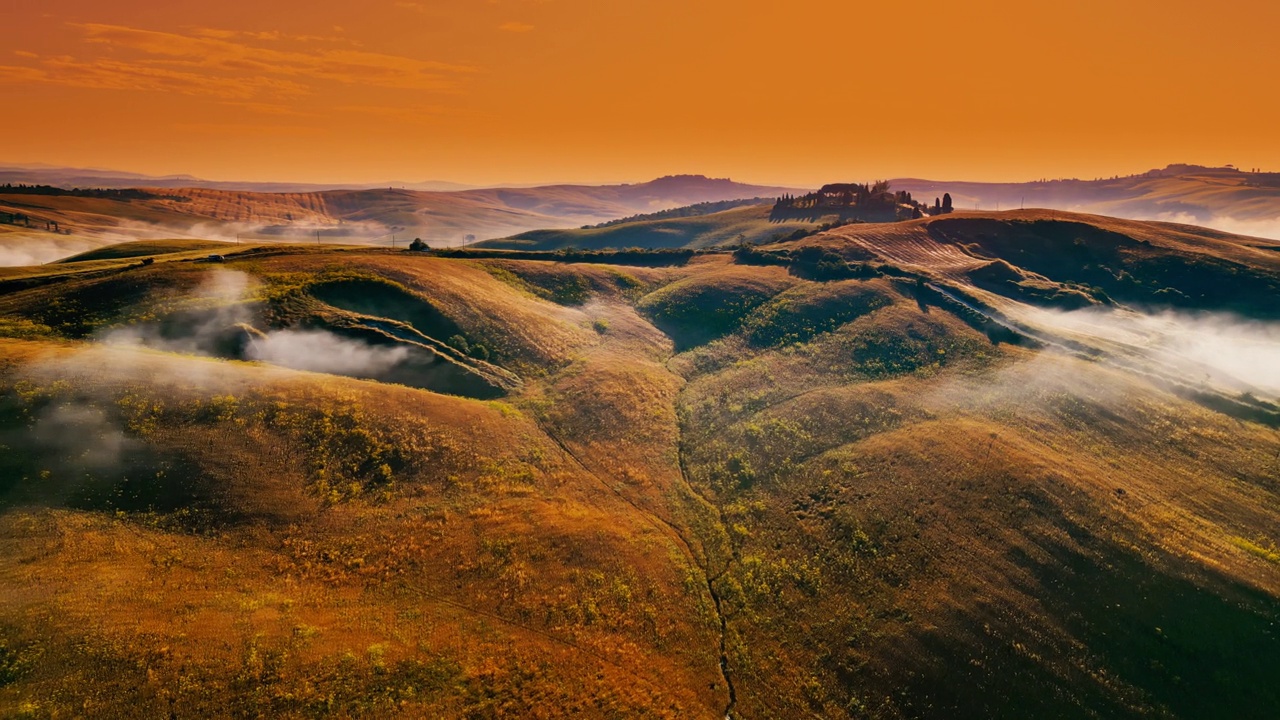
(526, 91)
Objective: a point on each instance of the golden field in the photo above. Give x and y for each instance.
(884, 471)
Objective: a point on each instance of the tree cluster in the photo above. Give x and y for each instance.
(870, 198)
(111, 193)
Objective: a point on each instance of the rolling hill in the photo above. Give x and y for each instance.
(751, 224)
(66, 177)
(1224, 198)
(351, 216)
(984, 465)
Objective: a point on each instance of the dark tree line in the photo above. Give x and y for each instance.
(871, 199)
(111, 193)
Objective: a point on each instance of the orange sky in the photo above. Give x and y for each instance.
(486, 91)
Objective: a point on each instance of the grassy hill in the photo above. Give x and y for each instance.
(1226, 198)
(140, 248)
(981, 465)
(370, 216)
(751, 224)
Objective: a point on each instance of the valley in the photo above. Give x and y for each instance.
(722, 360)
(976, 465)
(1226, 198)
(33, 220)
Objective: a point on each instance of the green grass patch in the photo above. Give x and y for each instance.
(22, 328)
(1267, 552)
(140, 248)
(801, 313)
(700, 309)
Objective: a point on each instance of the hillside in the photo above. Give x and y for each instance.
(1225, 198)
(141, 248)
(982, 465)
(751, 224)
(40, 174)
(353, 216)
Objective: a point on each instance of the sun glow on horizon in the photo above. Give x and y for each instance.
(525, 91)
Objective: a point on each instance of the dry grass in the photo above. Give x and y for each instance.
(893, 517)
(141, 248)
(865, 505)
(307, 560)
(730, 227)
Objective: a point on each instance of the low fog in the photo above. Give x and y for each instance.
(1209, 349)
(27, 250)
(81, 436)
(217, 306)
(221, 317)
(346, 233)
(1260, 228)
(40, 248)
(320, 351)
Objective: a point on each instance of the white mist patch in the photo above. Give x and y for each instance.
(358, 232)
(1215, 349)
(21, 252)
(37, 250)
(221, 293)
(81, 436)
(320, 351)
(105, 365)
(220, 311)
(1260, 228)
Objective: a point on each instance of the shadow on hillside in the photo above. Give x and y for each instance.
(655, 257)
(78, 454)
(827, 214)
(378, 299)
(1150, 643)
(1114, 265)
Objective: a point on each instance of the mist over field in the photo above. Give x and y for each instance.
(221, 314)
(79, 434)
(321, 351)
(23, 251)
(1217, 349)
(1248, 227)
(753, 361)
(721, 454)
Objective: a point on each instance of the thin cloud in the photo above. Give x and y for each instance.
(272, 35)
(224, 64)
(351, 66)
(266, 108)
(259, 129)
(415, 114)
(118, 75)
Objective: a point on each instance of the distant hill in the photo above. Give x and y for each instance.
(1016, 464)
(1224, 198)
(141, 248)
(40, 174)
(358, 216)
(751, 224)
